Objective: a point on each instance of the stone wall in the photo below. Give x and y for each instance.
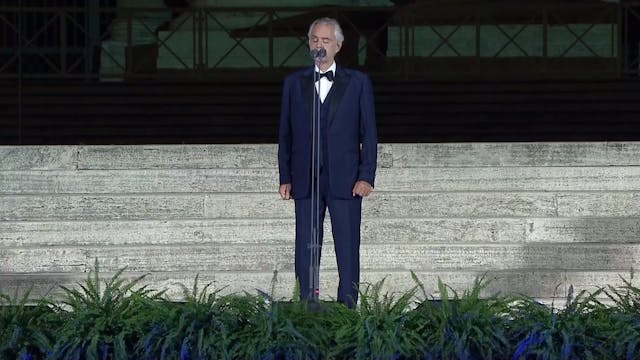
(535, 217)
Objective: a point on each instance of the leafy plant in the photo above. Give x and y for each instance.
(102, 323)
(577, 331)
(377, 329)
(625, 297)
(625, 319)
(198, 328)
(25, 328)
(463, 327)
(118, 319)
(273, 330)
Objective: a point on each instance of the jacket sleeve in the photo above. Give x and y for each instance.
(368, 134)
(284, 142)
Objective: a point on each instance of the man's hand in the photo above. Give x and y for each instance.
(362, 188)
(285, 191)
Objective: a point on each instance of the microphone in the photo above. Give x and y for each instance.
(318, 53)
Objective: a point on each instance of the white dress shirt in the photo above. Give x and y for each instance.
(324, 85)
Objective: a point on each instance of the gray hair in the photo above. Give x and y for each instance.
(328, 21)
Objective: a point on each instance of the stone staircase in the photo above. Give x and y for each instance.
(534, 217)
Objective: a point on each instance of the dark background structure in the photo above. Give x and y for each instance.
(51, 91)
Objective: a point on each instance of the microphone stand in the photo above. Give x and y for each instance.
(314, 244)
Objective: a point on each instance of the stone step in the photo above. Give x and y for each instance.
(587, 178)
(140, 157)
(545, 285)
(269, 206)
(536, 216)
(374, 257)
(507, 231)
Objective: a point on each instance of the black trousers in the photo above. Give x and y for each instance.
(346, 216)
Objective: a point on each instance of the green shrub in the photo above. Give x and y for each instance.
(121, 320)
(102, 323)
(462, 327)
(580, 330)
(376, 329)
(625, 317)
(26, 329)
(275, 330)
(198, 328)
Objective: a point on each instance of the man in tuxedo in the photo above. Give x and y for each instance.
(347, 155)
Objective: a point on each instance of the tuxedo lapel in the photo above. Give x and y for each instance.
(308, 90)
(340, 83)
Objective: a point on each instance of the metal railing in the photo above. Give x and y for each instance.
(629, 21)
(79, 42)
(49, 42)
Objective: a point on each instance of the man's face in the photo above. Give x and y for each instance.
(323, 36)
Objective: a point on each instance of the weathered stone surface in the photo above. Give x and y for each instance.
(398, 205)
(100, 207)
(517, 154)
(146, 232)
(266, 180)
(282, 231)
(501, 230)
(374, 257)
(500, 257)
(509, 179)
(265, 156)
(218, 156)
(611, 230)
(460, 204)
(385, 156)
(536, 217)
(594, 280)
(139, 181)
(39, 260)
(599, 204)
(38, 158)
(451, 231)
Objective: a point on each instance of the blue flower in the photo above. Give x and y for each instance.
(531, 341)
(16, 335)
(289, 355)
(149, 342)
(104, 348)
(450, 334)
(24, 355)
(631, 352)
(567, 348)
(184, 351)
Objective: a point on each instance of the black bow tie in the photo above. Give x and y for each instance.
(328, 75)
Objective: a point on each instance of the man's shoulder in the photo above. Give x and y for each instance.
(351, 71)
(297, 74)
(357, 74)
